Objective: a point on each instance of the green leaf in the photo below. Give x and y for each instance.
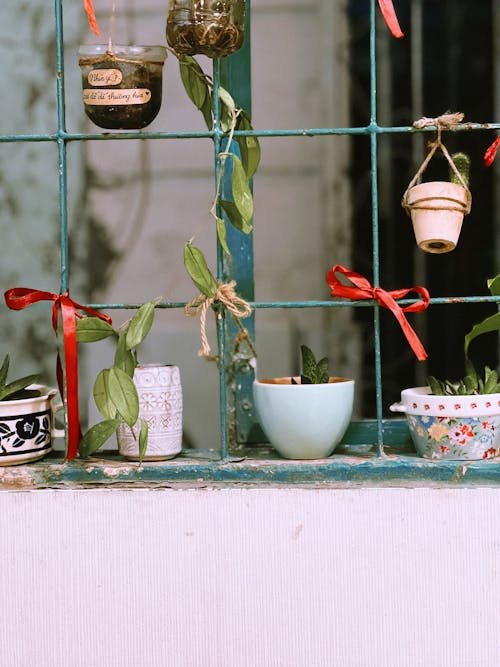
(249, 147)
(436, 386)
(102, 396)
(200, 274)
(221, 234)
(490, 380)
(322, 371)
(4, 370)
(226, 120)
(194, 81)
(97, 436)
(227, 100)
(309, 367)
(494, 285)
(470, 384)
(124, 395)
(491, 323)
(234, 217)
(140, 325)
(17, 385)
(206, 110)
(242, 195)
(143, 439)
(92, 329)
(124, 358)
(451, 388)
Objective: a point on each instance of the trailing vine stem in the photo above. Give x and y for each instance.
(234, 113)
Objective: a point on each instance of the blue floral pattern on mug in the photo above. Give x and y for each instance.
(452, 438)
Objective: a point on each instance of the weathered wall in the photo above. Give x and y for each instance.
(256, 577)
(29, 199)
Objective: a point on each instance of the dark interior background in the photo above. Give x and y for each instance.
(457, 75)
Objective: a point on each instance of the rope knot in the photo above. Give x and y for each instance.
(226, 296)
(446, 121)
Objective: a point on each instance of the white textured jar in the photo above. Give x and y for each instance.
(160, 404)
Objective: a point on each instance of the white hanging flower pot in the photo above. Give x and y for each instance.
(437, 208)
(437, 211)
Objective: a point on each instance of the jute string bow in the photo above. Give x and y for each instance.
(447, 121)
(227, 297)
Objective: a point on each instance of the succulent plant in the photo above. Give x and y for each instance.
(470, 384)
(462, 163)
(313, 372)
(16, 389)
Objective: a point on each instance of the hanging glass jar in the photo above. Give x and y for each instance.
(213, 28)
(122, 89)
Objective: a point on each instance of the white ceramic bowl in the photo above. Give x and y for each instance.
(452, 427)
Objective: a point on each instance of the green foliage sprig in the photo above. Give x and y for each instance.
(16, 389)
(239, 209)
(313, 372)
(115, 393)
(471, 383)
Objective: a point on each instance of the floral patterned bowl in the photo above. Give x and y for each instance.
(452, 427)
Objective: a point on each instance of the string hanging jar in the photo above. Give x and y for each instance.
(213, 28)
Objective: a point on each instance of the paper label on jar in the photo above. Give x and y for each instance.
(107, 97)
(105, 77)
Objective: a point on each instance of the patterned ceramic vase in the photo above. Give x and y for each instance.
(27, 427)
(463, 428)
(160, 401)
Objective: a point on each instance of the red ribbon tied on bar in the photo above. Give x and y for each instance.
(364, 290)
(22, 297)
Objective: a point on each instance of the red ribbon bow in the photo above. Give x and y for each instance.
(22, 297)
(490, 153)
(389, 14)
(364, 290)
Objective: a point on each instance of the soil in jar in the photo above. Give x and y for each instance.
(141, 83)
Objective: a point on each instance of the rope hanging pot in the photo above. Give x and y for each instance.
(437, 208)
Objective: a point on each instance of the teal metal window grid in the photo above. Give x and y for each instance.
(249, 463)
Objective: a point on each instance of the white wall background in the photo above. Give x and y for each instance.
(250, 577)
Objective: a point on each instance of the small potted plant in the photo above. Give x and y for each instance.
(26, 418)
(141, 403)
(305, 417)
(437, 208)
(457, 420)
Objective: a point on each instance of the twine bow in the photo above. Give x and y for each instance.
(22, 297)
(447, 121)
(364, 290)
(225, 295)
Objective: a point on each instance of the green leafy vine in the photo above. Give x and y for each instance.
(239, 209)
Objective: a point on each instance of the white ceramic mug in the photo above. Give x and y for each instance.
(27, 427)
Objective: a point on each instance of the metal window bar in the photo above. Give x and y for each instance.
(234, 73)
